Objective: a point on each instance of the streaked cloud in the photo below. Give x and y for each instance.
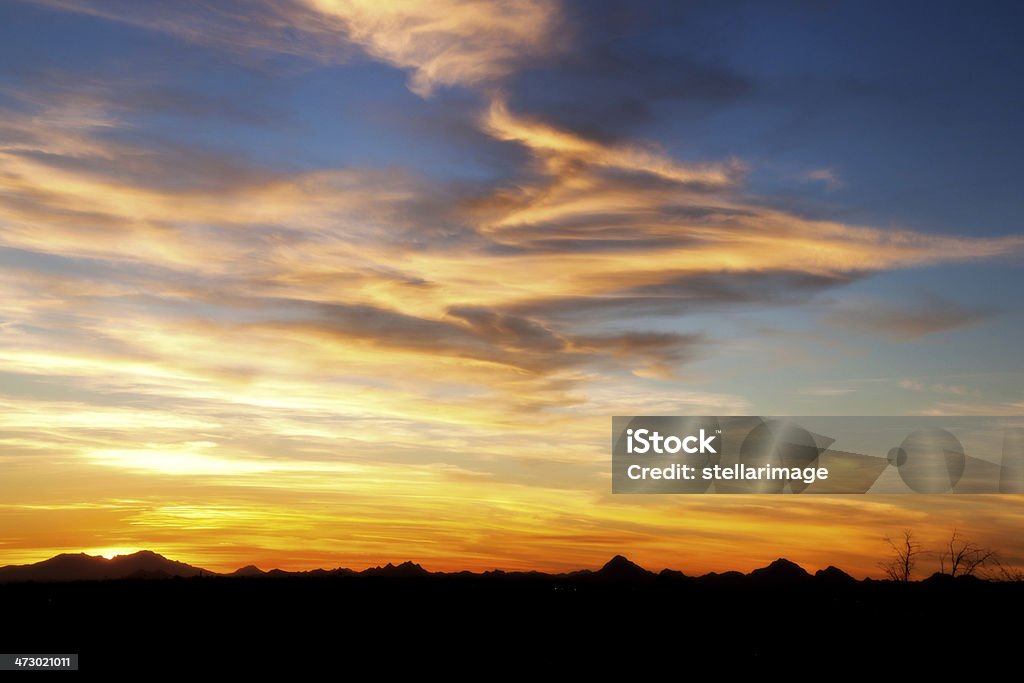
(563, 151)
(453, 42)
(826, 176)
(934, 387)
(248, 30)
(472, 43)
(827, 391)
(908, 322)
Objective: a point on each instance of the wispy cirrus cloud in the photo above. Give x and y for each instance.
(930, 315)
(528, 282)
(826, 176)
(453, 42)
(563, 151)
(248, 30)
(445, 43)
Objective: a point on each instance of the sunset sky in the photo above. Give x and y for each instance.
(309, 283)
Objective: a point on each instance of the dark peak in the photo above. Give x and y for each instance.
(948, 579)
(834, 575)
(409, 564)
(781, 570)
(147, 559)
(672, 574)
(248, 570)
(620, 567)
(343, 571)
(407, 569)
(140, 555)
(784, 564)
(619, 561)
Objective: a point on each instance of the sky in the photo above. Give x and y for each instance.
(309, 283)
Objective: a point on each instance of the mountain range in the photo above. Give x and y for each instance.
(146, 564)
(82, 567)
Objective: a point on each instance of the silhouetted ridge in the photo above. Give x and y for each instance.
(407, 569)
(146, 564)
(148, 561)
(781, 570)
(724, 577)
(248, 570)
(671, 575)
(620, 568)
(940, 579)
(82, 567)
(834, 575)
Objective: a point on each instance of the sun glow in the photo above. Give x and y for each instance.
(111, 553)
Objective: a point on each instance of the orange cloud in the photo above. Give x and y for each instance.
(452, 42)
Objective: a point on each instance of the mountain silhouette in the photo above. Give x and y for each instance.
(248, 570)
(672, 575)
(82, 567)
(938, 578)
(405, 570)
(834, 575)
(780, 571)
(619, 568)
(147, 564)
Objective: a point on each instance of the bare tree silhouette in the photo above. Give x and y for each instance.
(905, 551)
(961, 557)
(997, 571)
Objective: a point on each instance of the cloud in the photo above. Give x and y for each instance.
(827, 176)
(246, 29)
(661, 354)
(1008, 408)
(935, 387)
(451, 42)
(826, 391)
(496, 278)
(561, 150)
(627, 82)
(516, 331)
(932, 315)
(681, 293)
(469, 43)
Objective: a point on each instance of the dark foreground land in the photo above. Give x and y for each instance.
(498, 624)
